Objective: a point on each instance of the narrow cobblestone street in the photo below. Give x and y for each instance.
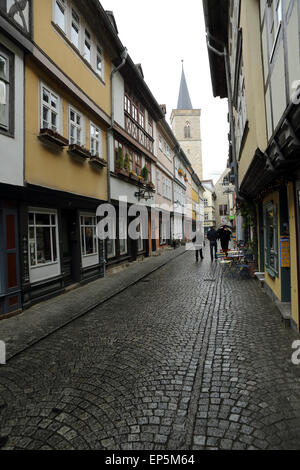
(197, 361)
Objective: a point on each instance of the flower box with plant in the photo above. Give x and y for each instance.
(133, 175)
(145, 174)
(180, 172)
(97, 162)
(52, 137)
(79, 152)
(120, 163)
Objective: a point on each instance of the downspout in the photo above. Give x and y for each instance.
(109, 130)
(230, 102)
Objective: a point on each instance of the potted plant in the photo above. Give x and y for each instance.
(127, 162)
(145, 173)
(180, 172)
(120, 163)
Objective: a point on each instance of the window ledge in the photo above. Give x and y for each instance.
(51, 137)
(78, 152)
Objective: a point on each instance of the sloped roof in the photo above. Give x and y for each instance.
(184, 100)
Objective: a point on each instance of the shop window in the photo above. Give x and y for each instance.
(89, 243)
(271, 237)
(43, 244)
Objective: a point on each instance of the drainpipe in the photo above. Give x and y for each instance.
(224, 54)
(109, 130)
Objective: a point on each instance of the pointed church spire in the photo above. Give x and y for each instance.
(184, 100)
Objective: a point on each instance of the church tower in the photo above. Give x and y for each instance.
(185, 122)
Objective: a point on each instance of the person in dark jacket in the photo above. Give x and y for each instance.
(224, 236)
(212, 236)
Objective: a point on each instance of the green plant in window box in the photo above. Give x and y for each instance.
(127, 162)
(145, 173)
(120, 159)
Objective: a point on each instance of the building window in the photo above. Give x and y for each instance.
(75, 127)
(43, 239)
(142, 117)
(87, 46)
(206, 217)
(75, 26)
(241, 108)
(223, 209)
(6, 91)
(95, 140)
(159, 142)
(275, 18)
(140, 239)
(138, 164)
(158, 185)
(49, 109)
(123, 236)
(150, 126)
(99, 62)
(205, 202)
(111, 242)
(60, 14)
(187, 130)
(271, 237)
(89, 241)
(134, 112)
(127, 104)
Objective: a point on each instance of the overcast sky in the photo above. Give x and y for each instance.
(159, 34)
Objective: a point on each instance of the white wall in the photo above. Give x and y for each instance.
(118, 84)
(12, 148)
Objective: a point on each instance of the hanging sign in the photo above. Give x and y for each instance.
(285, 260)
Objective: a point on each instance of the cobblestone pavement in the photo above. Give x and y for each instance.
(185, 359)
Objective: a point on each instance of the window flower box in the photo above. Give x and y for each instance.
(49, 136)
(121, 171)
(133, 176)
(79, 153)
(97, 163)
(180, 172)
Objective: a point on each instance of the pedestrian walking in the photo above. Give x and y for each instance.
(198, 241)
(212, 236)
(224, 236)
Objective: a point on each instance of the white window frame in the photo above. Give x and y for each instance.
(88, 259)
(42, 271)
(158, 182)
(159, 142)
(63, 6)
(58, 110)
(99, 51)
(275, 20)
(82, 126)
(87, 39)
(97, 140)
(77, 25)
